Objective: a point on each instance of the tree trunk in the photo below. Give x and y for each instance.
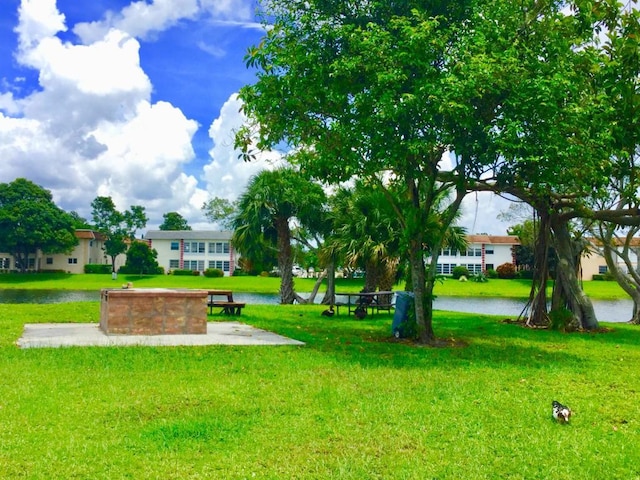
(537, 303)
(371, 275)
(569, 292)
(630, 283)
(423, 294)
(387, 278)
(285, 261)
(330, 294)
(314, 292)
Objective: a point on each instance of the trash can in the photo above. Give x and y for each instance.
(404, 304)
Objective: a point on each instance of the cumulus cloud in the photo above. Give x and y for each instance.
(90, 128)
(227, 175)
(141, 19)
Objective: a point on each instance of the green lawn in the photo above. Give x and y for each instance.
(350, 404)
(448, 287)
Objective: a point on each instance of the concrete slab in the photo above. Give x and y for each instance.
(53, 335)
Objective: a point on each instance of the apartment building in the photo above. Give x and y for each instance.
(195, 250)
(485, 252)
(88, 251)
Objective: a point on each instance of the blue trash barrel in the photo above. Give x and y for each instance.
(404, 302)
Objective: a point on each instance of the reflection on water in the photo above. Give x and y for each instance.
(606, 310)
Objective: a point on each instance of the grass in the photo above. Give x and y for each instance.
(449, 287)
(350, 404)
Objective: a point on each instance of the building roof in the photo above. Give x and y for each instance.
(494, 239)
(188, 235)
(86, 234)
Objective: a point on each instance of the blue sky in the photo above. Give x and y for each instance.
(134, 100)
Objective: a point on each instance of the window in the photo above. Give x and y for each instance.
(445, 268)
(225, 266)
(602, 269)
(489, 266)
(488, 249)
(194, 247)
(175, 245)
(174, 264)
(474, 268)
(195, 265)
(49, 260)
(32, 263)
(72, 261)
(5, 262)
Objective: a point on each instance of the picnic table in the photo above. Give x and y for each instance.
(228, 306)
(369, 301)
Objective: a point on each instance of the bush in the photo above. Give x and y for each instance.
(491, 273)
(460, 271)
(213, 273)
(525, 274)
(238, 272)
(185, 273)
(603, 277)
(479, 278)
(149, 271)
(97, 268)
(561, 319)
(506, 271)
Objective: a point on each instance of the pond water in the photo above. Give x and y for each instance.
(606, 310)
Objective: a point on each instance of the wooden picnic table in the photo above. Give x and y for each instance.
(228, 306)
(369, 301)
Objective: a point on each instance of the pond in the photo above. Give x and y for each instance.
(606, 310)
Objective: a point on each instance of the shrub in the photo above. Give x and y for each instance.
(506, 270)
(238, 272)
(97, 268)
(213, 273)
(525, 274)
(603, 277)
(491, 273)
(479, 278)
(460, 271)
(560, 318)
(185, 273)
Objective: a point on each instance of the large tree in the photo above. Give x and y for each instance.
(119, 228)
(360, 89)
(272, 201)
(31, 221)
(554, 137)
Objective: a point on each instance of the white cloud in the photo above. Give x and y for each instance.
(141, 19)
(38, 20)
(227, 175)
(91, 129)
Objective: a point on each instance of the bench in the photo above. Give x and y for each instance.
(228, 306)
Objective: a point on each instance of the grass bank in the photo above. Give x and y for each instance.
(448, 287)
(350, 404)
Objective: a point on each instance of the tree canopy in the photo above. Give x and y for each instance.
(31, 221)
(174, 221)
(119, 228)
(383, 90)
(271, 202)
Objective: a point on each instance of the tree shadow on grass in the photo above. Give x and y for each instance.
(477, 340)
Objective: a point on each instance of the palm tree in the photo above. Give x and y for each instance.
(272, 201)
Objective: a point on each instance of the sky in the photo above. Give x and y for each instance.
(137, 100)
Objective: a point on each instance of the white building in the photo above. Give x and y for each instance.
(195, 250)
(485, 252)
